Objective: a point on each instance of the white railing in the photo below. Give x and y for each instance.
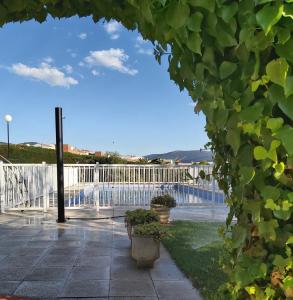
(34, 186)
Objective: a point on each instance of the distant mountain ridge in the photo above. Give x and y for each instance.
(183, 156)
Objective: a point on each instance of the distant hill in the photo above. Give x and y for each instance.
(183, 156)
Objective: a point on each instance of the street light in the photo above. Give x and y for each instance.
(7, 119)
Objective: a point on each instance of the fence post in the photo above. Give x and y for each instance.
(45, 206)
(213, 190)
(96, 173)
(96, 189)
(2, 184)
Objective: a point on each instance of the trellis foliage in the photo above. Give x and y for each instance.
(235, 58)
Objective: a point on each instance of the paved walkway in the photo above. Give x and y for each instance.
(81, 259)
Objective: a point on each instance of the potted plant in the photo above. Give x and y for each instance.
(162, 205)
(139, 216)
(145, 246)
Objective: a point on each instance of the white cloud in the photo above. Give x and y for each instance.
(113, 59)
(113, 28)
(81, 64)
(115, 36)
(96, 73)
(68, 69)
(46, 73)
(48, 60)
(73, 55)
(141, 46)
(145, 51)
(82, 36)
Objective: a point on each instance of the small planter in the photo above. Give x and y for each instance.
(163, 212)
(162, 205)
(145, 244)
(145, 250)
(137, 217)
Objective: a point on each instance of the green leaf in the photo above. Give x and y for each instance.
(277, 71)
(177, 14)
(239, 234)
(267, 229)
(260, 153)
(269, 16)
(252, 113)
(255, 84)
(279, 169)
(246, 174)
(275, 123)
(270, 192)
(286, 105)
(272, 153)
(226, 69)
(248, 269)
(194, 42)
(276, 95)
(283, 35)
(281, 262)
(288, 282)
(270, 204)
(194, 22)
(233, 139)
(207, 4)
(289, 86)
(224, 37)
(253, 207)
(282, 213)
(220, 117)
(226, 12)
(285, 134)
(285, 50)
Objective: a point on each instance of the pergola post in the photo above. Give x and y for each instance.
(60, 164)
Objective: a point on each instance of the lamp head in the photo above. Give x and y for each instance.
(8, 118)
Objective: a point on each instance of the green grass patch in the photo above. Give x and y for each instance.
(196, 248)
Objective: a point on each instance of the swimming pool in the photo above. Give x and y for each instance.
(134, 195)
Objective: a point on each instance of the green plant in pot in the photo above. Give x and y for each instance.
(145, 246)
(137, 217)
(162, 205)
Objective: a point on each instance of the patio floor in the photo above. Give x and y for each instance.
(80, 259)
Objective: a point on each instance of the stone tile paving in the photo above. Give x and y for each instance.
(81, 259)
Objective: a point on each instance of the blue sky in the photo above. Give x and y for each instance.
(114, 95)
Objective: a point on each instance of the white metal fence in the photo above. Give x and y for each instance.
(34, 186)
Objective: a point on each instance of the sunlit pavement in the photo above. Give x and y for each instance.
(81, 259)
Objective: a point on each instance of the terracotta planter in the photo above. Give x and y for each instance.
(163, 212)
(145, 250)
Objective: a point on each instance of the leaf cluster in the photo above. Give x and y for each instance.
(140, 216)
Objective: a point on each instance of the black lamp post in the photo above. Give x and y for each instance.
(8, 119)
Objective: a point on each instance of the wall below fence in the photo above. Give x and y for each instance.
(34, 186)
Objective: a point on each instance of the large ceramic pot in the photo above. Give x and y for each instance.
(163, 212)
(145, 250)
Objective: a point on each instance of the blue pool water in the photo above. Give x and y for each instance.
(140, 195)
